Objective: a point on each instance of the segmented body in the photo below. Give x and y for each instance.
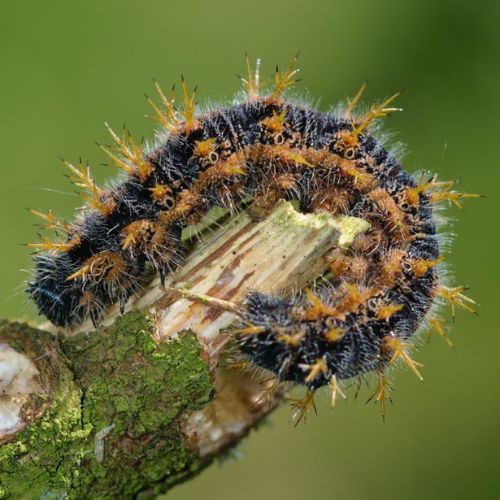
(376, 294)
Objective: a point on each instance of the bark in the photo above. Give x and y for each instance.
(151, 397)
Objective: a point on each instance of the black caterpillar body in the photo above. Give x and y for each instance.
(377, 293)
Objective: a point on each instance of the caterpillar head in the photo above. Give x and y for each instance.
(55, 297)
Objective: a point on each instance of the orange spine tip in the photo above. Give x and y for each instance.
(134, 162)
(352, 103)
(437, 325)
(205, 147)
(290, 339)
(421, 266)
(386, 312)
(189, 102)
(119, 163)
(376, 111)
(298, 159)
(455, 297)
(382, 393)
(334, 334)
(276, 122)
(251, 83)
(96, 197)
(301, 407)
(48, 245)
(283, 81)
(399, 350)
(336, 391)
(250, 330)
(81, 273)
(315, 369)
(160, 192)
(168, 116)
(317, 308)
(453, 197)
(51, 221)
(439, 191)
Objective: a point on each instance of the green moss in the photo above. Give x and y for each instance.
(122, 378)
(36, 463)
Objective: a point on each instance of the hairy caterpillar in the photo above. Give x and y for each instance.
(266, 147)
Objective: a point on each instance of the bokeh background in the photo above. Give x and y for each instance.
(66, 67)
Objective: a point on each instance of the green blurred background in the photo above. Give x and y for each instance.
(66, 67)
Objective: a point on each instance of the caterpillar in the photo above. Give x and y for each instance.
(265, 146)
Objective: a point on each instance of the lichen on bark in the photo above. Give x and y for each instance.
(116, 377)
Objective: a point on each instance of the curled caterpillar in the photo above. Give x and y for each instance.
(268, 148)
